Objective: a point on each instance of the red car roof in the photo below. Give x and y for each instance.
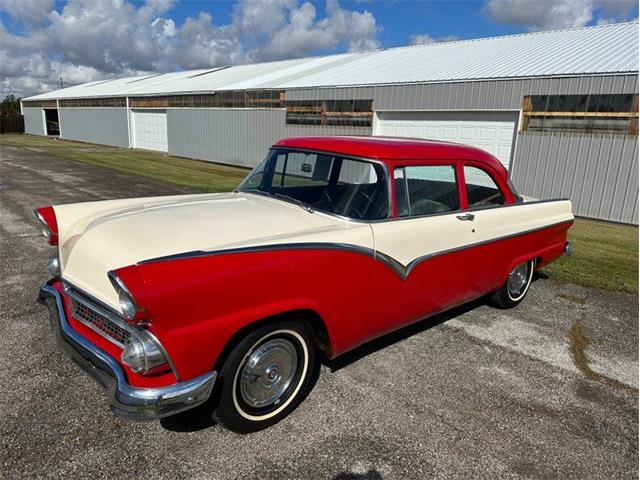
(394, 148)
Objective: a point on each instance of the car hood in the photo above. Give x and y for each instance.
(97, 237)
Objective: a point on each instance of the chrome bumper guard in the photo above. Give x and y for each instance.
(568, 249)
(124, 399)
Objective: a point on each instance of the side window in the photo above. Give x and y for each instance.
(427, 190)
(481, 189)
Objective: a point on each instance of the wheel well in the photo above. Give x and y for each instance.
(311, 318)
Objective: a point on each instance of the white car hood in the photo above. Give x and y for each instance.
(97, 237)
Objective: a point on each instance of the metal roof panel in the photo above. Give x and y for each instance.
(587, 50)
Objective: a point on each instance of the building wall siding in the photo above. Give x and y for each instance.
(105, 126)
(33, 122)
(478, 95)
(235, 136)
(599, 173)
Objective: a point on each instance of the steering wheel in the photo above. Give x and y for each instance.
(327, 200)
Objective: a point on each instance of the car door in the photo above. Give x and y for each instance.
(425, 246)
(493, 224)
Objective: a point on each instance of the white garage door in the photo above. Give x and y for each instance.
(150, 129)
(491, 131)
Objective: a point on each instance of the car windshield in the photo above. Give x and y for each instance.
(323, 181)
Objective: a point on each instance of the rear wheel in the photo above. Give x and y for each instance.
(515, 287)
(266, 376)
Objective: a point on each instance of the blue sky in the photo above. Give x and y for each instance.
(399, 19)
(85, 40)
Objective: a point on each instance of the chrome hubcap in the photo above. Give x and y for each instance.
(268, 372)
(518, 279)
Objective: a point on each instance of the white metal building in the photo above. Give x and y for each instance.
(558, 108)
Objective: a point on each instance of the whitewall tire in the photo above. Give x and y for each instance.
(516, 286)
(266, 376)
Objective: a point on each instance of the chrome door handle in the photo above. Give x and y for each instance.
(468, 216)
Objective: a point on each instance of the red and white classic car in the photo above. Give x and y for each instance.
(232, 299)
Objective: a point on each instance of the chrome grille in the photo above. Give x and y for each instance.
(98, 318)
(85, 315)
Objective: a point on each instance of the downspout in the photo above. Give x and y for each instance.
(59, 118)
(128, 123)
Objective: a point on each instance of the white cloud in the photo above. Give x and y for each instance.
(302, 33)
(85, 40)
(551, 14)
(27, 11)
(541, 14)
(425, 39)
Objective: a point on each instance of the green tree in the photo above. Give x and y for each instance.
(10, 104)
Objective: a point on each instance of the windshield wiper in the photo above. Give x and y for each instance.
(300, 203)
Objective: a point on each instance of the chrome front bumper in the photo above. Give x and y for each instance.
(124, 399)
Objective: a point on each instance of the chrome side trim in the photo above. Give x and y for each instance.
(124, 399)
(406, 271)
(266, 248)
(401, 270)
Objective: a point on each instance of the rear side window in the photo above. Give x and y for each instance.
(426, 190)
(481, 189)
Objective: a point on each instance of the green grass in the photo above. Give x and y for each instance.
(193, 174)
(606, 254)
(605, 257)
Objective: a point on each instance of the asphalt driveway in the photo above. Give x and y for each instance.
(546, 390)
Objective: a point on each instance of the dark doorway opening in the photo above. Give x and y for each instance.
(51, 119)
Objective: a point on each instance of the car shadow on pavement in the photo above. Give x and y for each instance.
(192, 420)
(370, 475)
(399, 335)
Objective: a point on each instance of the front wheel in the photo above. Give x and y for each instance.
(266, 376)
(515, 287)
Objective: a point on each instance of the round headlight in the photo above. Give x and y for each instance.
(53, 266)
(127, 306)
(141, 354)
